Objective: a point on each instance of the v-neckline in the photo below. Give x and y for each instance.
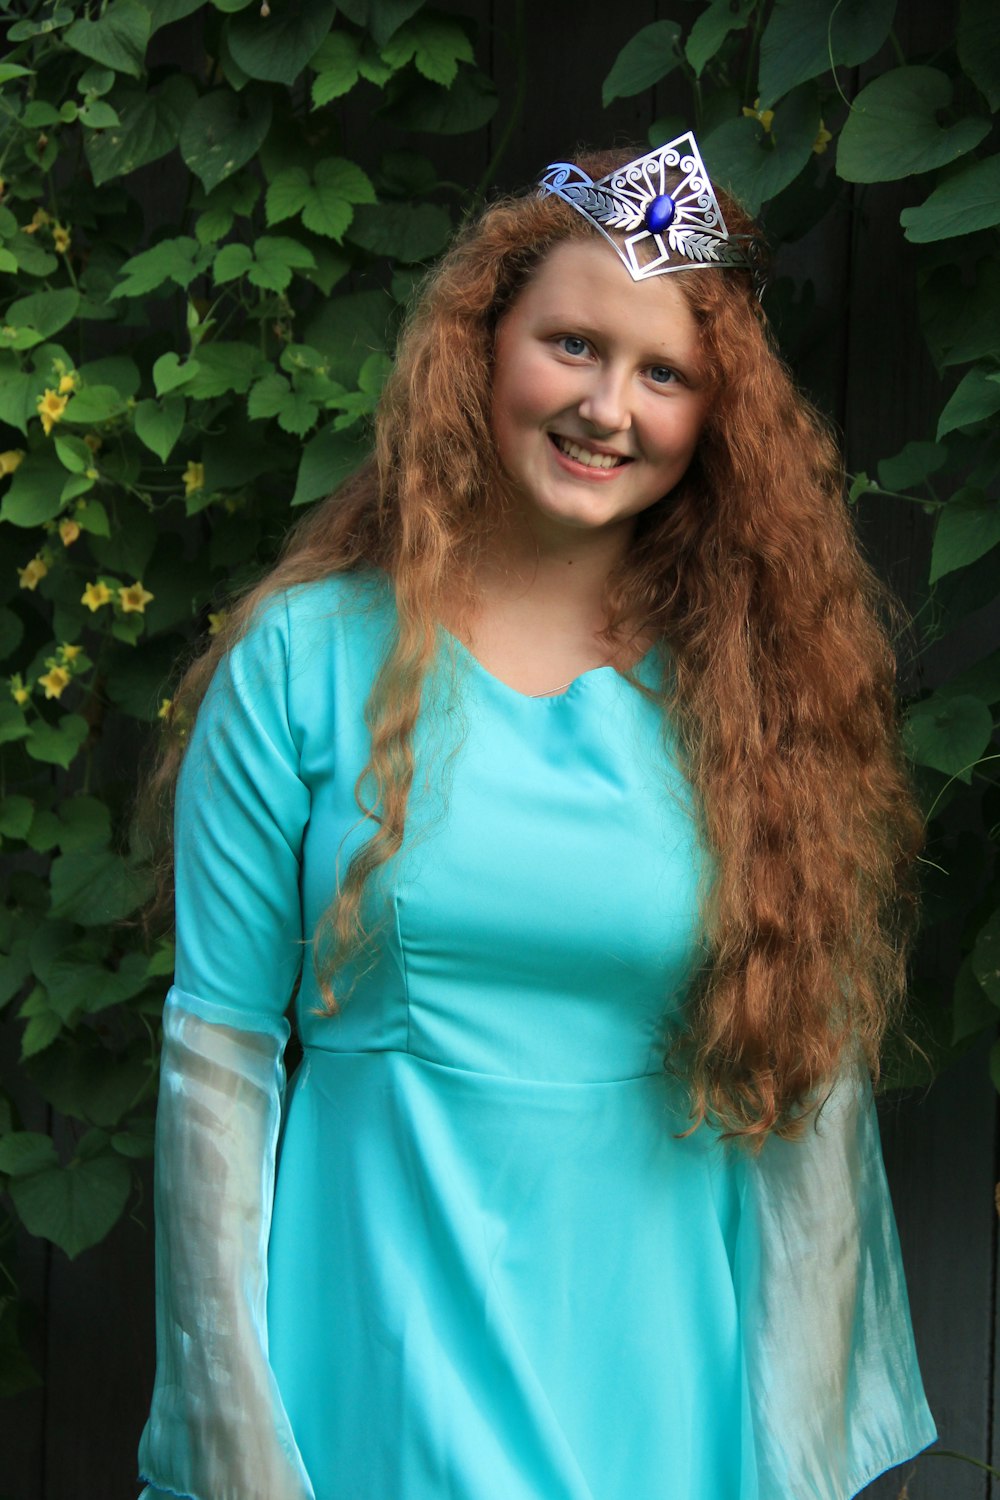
(570, 688)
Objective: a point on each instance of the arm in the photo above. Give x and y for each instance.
(217, 1429)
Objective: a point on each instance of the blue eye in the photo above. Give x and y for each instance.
(572, 344)
(662, 374)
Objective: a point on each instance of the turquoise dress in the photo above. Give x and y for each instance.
(487, 1266)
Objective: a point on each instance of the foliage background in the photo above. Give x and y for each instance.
(211, 218)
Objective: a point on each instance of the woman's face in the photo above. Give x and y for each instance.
(599, 392)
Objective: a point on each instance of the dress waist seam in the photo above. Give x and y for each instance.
(312, 1052)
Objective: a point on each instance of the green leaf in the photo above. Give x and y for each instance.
(965, 202)
(711, 29)
(118, 39)
(150, 122)
(179, 260)
(96, 887)
(223, 131)
(33, 495)
(277, 47)
(137, 1142)
(979, 46)
(73, 1206)
(756, 164)
(986, 957)
(44, 312)
(25, 1151)
(346, 329)
(16, 813)
(336, 65)
(968, 527)
(91, 1082)
(949, 733)
(976, 397)
(275, 258)
(93, 517)
(224, 367)
(40, 1032)
(435, 43)
(650, 55)
(804, 38)
(57, 744)
(159, 424)
(892, 130)
(408, 232)
(911, 466)
(412, 103)
(327, 460)
(95, 403)
(961, 323)
(11, 632)
(73, 452)
(324, 199)
(13, 724)
(85, 823)
(169, 374)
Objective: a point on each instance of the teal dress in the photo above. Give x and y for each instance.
(489, 1266)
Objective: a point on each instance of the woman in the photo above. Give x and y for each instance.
(565, 733)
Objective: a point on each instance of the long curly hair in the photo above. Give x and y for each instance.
(782, 691)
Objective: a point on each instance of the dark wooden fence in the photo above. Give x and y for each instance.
(76, 1439)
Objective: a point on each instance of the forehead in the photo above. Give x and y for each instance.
(585, 280)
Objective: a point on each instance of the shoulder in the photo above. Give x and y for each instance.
(303, 622)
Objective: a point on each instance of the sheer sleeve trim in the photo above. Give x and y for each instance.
(243, 1019)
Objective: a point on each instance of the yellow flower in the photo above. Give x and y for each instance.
(55, 681)
(10, 460)
(70, 653)
(194, 477)
(216, 622)
(134, 598)
(68, 531)
(90, 473)
(163, 712)
(50, 408)
(96, 594)
(18, 691)
(67, 383)
(39, 218)
(765, 116)
(822, 140)
(61, 239)
(32, 575)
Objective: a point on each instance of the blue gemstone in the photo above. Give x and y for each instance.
(660, 213)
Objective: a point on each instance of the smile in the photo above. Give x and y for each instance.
(586, 456)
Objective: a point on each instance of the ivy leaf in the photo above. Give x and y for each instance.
(979, 47)
(96, 887)
(649, 56)
(892, 130)
(756, 164)
(118, 39)
(159, 424)
(961, 323)
(13, 724)
(25, 1151)
(949, 733)
(95, 403)
(169, 374)
(976, 397)
(149, 124)
(224, 367)
(179, 260)
(405, 231)
(324, 199)
(278, 46)
(57, 744)
(911, 466)
(275, 258)
(804, 38)
(44, 313)
(16, 813)
(412, 103)
(711, 29)
(33, 495)
(223, 131)
(435, 43)
(11, 631)
(93, 517)
(73, 1206)
(327, 460)
(968, 527)
(968, 201)
(336, 65)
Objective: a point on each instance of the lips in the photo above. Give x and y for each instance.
(590, 458)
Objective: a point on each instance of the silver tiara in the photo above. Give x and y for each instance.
(683, 219)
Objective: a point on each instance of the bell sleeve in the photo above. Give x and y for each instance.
(217, 1429)
(834, 1390)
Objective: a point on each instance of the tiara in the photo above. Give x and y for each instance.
(684, 222)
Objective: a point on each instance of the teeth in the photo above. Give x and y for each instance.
(586, 456)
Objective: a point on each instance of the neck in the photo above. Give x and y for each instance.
(560, 571)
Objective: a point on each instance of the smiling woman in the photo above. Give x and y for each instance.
(564, 733)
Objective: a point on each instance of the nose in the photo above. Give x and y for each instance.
(605, 405)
